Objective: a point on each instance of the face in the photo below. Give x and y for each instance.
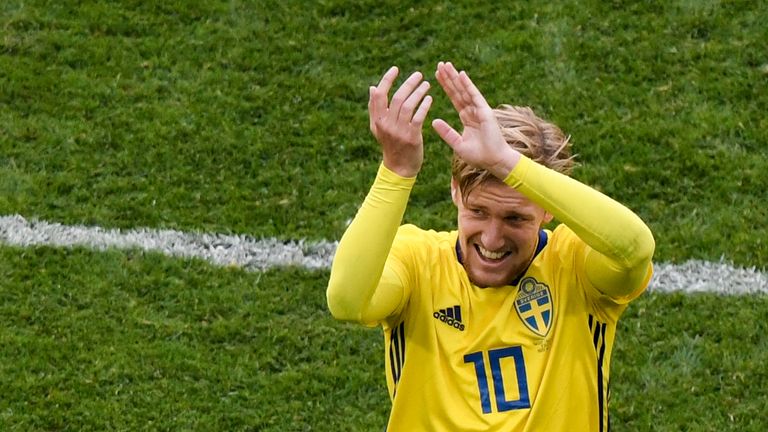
(498, 232)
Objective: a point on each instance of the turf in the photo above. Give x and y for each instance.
(116, 341)
(113, 341)
(249, 117)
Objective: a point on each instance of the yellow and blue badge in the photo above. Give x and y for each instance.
(534, 306)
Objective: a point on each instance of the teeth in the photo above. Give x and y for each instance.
(490, 255)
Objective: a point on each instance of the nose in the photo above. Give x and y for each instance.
(493, 235)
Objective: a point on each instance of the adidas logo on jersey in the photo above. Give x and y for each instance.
(450, 316)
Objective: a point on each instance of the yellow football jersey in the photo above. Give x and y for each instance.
(532, 356)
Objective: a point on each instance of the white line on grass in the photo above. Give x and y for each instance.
(263, 254)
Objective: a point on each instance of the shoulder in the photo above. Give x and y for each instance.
(563, 240)
(414, 233)
(562, 233)
(421, 242)
(563, 249)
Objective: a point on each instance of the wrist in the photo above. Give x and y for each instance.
(401, 170)
(506, 164)
(393, 180)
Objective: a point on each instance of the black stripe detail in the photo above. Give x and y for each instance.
(397, 351)
(402, 344)
(609, 413)
(393, 367)
(597, 329)
(602, 405)
(596, 334)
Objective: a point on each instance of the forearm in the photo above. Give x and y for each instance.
(623, 243)
(362, 252)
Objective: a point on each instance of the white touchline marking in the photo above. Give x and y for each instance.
(263, 254)
(219, 249)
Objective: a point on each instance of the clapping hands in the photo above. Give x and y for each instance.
(397, 124)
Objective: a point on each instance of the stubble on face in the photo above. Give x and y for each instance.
(498, 233)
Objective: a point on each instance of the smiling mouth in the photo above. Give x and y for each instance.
(489, 255)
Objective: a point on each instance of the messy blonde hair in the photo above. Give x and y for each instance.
(535, 138)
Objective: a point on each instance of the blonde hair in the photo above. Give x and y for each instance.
(535, 138)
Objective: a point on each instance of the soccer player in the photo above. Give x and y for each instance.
(501, 325)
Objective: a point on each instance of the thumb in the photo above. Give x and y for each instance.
(447, 133)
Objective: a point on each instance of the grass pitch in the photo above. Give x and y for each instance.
(249, 118)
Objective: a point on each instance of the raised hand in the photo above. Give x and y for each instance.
(481, 143)
(397, 124)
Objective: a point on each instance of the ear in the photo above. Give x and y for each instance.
(455, 192)
(547, 218)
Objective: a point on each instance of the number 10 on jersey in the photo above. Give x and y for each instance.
(495, 357)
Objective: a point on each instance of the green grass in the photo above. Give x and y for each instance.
(125, 341)
(249, 117)
(116, 341)
(178, 114)
(691, 363)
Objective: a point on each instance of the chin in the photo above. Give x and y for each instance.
(488, 277)
(488, 281)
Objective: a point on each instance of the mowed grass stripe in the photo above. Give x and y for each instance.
(263, 254)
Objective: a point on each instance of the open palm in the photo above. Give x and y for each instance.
(480, 143)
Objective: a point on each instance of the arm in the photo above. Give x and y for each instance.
(358, 271)
(620, 246)
(361, 287)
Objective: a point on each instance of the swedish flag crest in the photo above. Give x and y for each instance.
(534, 306)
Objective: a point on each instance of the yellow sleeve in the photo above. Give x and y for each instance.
(361, 288)
(620, 245)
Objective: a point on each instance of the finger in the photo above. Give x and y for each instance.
(413, 101)
(459, 83)
(421, 113)
(442, 74)
(449, 70)
(470, 90)
(447, 133)
(405, 90)
(380, 93)
(448, 73)
(371, 114)
(449, 80)
(388, 79)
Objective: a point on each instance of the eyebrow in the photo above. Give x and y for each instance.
(473, 206)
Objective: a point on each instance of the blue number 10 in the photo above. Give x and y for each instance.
(494, 358)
